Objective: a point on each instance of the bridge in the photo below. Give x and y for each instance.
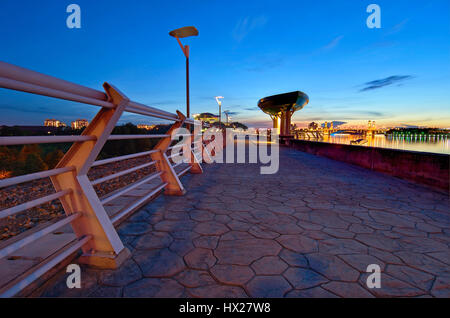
(218, 230)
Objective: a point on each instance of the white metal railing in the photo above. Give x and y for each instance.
(126, 157)
(85, 212)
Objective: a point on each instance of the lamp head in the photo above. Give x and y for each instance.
(218, 99)
(184, 32)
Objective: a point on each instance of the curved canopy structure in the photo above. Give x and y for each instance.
(281, 107)
(276, 104)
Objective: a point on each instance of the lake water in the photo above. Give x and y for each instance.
(425, 143)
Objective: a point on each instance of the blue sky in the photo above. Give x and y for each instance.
(246, 50)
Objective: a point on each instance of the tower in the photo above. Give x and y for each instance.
(281, 108)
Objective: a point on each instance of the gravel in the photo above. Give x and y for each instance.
(18, 194)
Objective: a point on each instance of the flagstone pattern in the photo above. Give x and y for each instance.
(310, 230)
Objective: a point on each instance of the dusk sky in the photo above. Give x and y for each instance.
(246, 50)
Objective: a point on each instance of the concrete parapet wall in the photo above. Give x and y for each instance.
(422, 167)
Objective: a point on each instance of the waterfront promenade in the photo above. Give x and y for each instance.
(310, 230)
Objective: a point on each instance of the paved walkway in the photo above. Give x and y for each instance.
(310, 230)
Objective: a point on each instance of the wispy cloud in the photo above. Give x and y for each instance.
(232, 113)
(398, 27)
(374, 113)
(246, 25)
(333, 43)
(385, 41)
(391, 80)
(407, 126)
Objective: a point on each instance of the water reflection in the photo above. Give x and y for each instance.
(430, 143)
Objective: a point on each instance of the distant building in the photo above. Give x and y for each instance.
(79, 123)
(53, 123)
(147, 127)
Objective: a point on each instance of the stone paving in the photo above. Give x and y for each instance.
(310, 230)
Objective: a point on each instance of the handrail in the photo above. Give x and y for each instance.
(31, 204)
(122, 173)
(137, 203)
(95, 231)
(49, 92)
(134, 105)
(184, 171)
(174, 147)
(127, 189)
(11, 141)
(120, 158)
(177, 164)
(174, 155)
(33, 176)
(123, 137)
(21, 79)
(28, 76)
(148, 113)
(37, 235)
(46, 267)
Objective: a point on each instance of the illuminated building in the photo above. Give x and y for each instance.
(147, 127)
(53, 123)
(80, 123)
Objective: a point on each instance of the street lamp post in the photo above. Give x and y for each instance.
(179, 34)
(227, 113)
(219, 101)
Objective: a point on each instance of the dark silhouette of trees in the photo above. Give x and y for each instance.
(33, 163)
(52, 158)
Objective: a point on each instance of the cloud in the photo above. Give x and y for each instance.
(406, 126)
(246, 25)
(333, 43)
(231, 113)
(375, 114)
(398, 27)
(385, 41)
(371, 113)
(391, 80)
(329, 46)
(252, 108)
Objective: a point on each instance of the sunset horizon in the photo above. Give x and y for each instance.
(224, 156)
(396, 75)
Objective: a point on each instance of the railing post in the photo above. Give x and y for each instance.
(194, 162)
(205, 153)
(169, 176)
(105, 249)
